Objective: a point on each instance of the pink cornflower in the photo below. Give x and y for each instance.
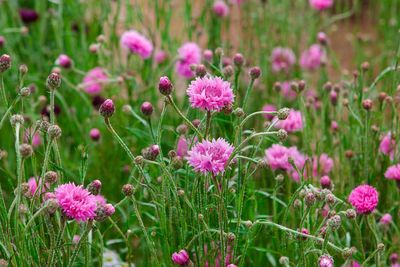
(321, 4)
(100, 200)
(393, 172)
(34, 186)
(386, 219)
(282, 59)
(76, 202)
(299, 160)
(64, 61)
(180, 258)
(269, 107)
(287, 92)
(220, 8)
(210, 156)
(322, 165)
(313, 58)
(36, 140)
(277, 157)
(388, 145)
(94, 80)
(189, 54)
(182, 147)
(210, 93)
(364, 199)
(160, 57)
(325, 261)
(137, 43)
(293, 123)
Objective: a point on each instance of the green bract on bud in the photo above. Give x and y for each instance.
(54, 131)
(283, 113)
(25, 150)
(282, 134)
(16, 119)
(53, 81)
(25, 91)
(50, 177)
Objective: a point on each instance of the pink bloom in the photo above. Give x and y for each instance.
(48, 196)
(64, 61)
(364, 199)
(206, 157)
(313, 58)
(208, 55)
(137, 44)
(75, 239)
(34, 186)
(287, 92)
(393, 172)
(36, 140)
(160, 57)
(386, 219)
(293, 123)
(182, 147)
(220, 8)
(322, 165)
(334, 126)
(76, 202)
(299, 160)
(277, 157)
(325, 261)
(269, 108)
(211, 94)
(325, 182)
(94, 134)
(321, 4)
(189, 54)
(388, 145)
(94, 80)
(282, 59)
(100, 200)
(180, 258)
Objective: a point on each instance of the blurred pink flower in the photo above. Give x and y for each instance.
(160, 56)
(321, 4)
(386, 219)
(64, 61)
(364, 199)
(220, 8)
(34, 186)
(313, 58)
(393, 172)
(293, 123)
(282, 59)
(182, 147)
(322, 165)
(210, 93)
(189, 54)
(388, 145)
(299, 160)
(94, 80)
(287, 92)
(325, 261)
(137, 43)
(269, 107)
(180, 258)
(95, 134)
(36, 140)
(210, 156)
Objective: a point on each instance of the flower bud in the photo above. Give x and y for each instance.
(139, 160)
(165, 86)
(181, 258)
(309, 198)
(351, 214)
(325, 182)
(107, 109)
(182, 129)
(227, 71)
(239, 112)
(367, 104)
(200, 70)
(365, 66)
(322, 38)
(284, 261)
(282, 134)
(325, 261)
(43, 125)
(25, 91)
(94, 134)
(238, 60)
(255, 73)
(94, 187)
(3, 263)
(283, 113)
(50, 177)
(335, 222)
(23, 69)
(54, 131)
(196, 123)
(2, 41)
(5, 63)
(279, 178)
(147, 108)
(208, 55)
(330, 199)
(301, 85)
(51, 205)
(53, 81)
(64, 61)
(16, 119)
(25, 150)
(128, 190)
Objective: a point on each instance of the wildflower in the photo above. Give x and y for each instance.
(53, 81)
(322, 38)
(255, 73)
(367, 104)
(33, 186)
(5, 62)
(189, 54)
(277, 157)
(394, 257)
(393, 172)
(76, 202)
(54, 131)
(147, 108)
(325, 182)
(208, 55)
(386, 219)
(128, 190)
(313, 58)
(25, 150)
(269, 107)
(388, 145)
(210, 93)
(107, 108)
(220, 8)
(182, 147)
(50, 177)
(238, 60)
(322, 165)
(64, 61)
(321, 4)
(28, 15)
(165, 86)
(200, 70)
(160, 57)
(210, 156)
(180, 258)
(94, 80)
(137, 44)
(286, 91)
(282, 59)
(293, 123)
(364, 199)
(325, 261)
(94, 134)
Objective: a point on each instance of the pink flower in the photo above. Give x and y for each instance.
(325, 261)
(299, 160)
(287, 92)
(364, 199)
(322, 165)
(94, 134)
(321, 4)
(220, 8)
(180, 258)
(182, 147)
(282, 59)
(293, 123)
(206, 157)
(269, 108)
(189, 54)
(64, 61)
(36, 140)
(100, 200)
(277, 157)
(160, 57)
(137, 44)
(34, 186)
(210, 93)
(76, 202)
(388, 145)
(208, 55)
(393, 172)
(313, 58)
(94, 80)
(386, 219)
(75, 239)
